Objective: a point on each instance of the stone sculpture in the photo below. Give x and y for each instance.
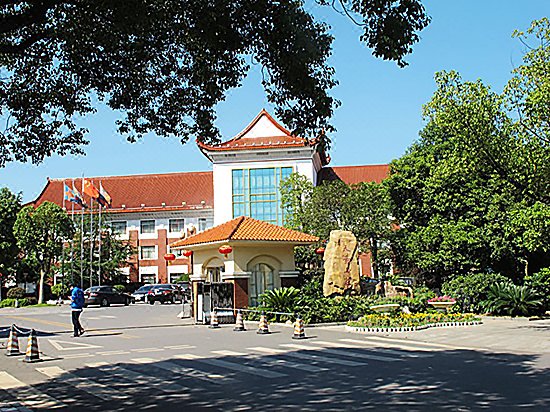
(341, 265)
(388, 290)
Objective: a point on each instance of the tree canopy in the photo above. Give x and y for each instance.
(164, 65)
(10, 204)
(473, 193)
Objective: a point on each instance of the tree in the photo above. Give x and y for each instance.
(40, 234)
(10, 204)
(109, 259)
(166, 64)
(473, 193)
(362, 209)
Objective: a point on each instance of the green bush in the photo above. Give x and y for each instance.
(280, 300)
(509, 299)
(60, 290)
(183, 278)
(540, 284)
(15, 293)
(471, 290)
(120, 288)
(7, 303)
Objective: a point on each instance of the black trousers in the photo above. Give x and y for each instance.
(76, 322)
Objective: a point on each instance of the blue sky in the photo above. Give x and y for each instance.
(380, 115)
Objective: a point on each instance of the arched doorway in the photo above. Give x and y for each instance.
(261, 279)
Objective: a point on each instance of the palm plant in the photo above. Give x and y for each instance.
(509, 299)
(280, 300)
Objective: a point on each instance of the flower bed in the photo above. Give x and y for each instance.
(410, 322)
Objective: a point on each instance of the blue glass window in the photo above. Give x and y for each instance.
(256, 193)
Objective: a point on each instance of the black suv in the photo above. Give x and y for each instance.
(164, 294)
(105, 296)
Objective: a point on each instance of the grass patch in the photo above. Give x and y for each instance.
(403, 320)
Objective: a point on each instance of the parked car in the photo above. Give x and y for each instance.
(185, 289)
(140, 295)
(105, 296)
(164, 294)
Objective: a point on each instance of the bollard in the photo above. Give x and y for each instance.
(214, 324)
(299, 332)
(239, 323)
(13, 343)
(263, 328)
(32, 355)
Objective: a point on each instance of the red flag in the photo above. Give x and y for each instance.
(90, 190)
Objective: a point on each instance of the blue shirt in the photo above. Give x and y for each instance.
(77, 298)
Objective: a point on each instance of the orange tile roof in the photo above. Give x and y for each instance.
(354, 174)
(150, 190)
(246, 228)
(242, 142)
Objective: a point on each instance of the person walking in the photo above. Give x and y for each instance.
(77, 303)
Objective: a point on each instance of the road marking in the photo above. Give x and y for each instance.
(271, 351)
(137, 378)
(147, 350)
(64, 345)
(108, 316)
(241, 368)
(91, 318)
(430, 345)
(26, 394)
(112, 352)
(180, 370)
(378, 350)
(342, 353)
(85, 384)
(180, 347)
(44, 322)
(186, 356)
(324, 359)
(228, 353)
(77, 355)
(295, 365)
(398, 345)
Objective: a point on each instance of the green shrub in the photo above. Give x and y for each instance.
(471, 290)
(60, 290)
(15, 293)
(120, 288)
(183, 278)
(509, 299)
(540, 284)
(7, 303)
(280, 300)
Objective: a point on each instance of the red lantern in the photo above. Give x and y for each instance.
(169, 257)
(225, 250)
(187, 253)
(320, 250)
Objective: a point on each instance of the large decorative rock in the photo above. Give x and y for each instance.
(341, 265)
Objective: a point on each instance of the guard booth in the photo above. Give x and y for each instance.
(214, 295)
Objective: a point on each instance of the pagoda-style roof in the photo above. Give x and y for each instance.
(264, 132)
(246, 229)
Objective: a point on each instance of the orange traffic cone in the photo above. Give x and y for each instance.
(239, 323)
(263, 328)
(299, 332)
(32, 355)
(214, 324)
(13, 343)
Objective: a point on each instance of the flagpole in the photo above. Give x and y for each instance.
(92, 238)
(82, 237)
(99, 246)
(72, 241)
(62, 246)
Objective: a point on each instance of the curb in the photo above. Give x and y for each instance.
(411, 328)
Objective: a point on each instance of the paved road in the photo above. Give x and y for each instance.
(143, 357)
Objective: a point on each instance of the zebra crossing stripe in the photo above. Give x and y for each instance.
(181, 370)
(348, 354)
(428, 345)
(85, 384)
(241, 368)
(325, 359)
(378, 350)
(228, 353)
(271, 351)
(27, 394)
(136, 377)
(393, 344)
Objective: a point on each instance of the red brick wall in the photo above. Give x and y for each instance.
(133, 261)
(162, 250)
(240, 293)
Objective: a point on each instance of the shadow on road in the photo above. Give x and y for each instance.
(442, 380)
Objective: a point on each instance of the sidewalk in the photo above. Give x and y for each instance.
(517, 335)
